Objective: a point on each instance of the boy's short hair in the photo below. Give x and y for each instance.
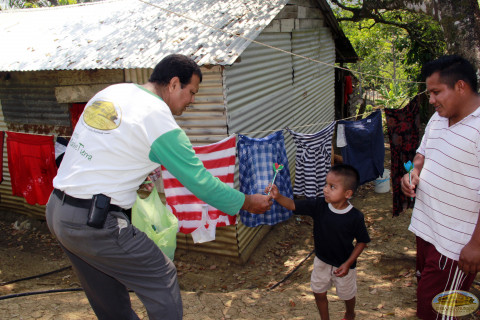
(351, 177)
(175, 65)
(452, 68)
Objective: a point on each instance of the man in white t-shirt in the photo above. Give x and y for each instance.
(124, 133)
(446, 183)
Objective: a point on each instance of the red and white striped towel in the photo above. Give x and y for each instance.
(219, 159)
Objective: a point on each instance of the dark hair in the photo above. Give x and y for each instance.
(175, 65)
(351, 177)
(452, 68)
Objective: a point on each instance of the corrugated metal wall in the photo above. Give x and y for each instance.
(205, 121)
(259, 87)
(139, 76)
(269, 90)
(265, 90)
(29, 104)
(313, 81)
(8, 201)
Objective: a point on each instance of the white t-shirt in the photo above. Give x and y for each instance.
(448, 200)
(98, 159)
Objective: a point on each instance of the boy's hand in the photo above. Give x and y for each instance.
(272, 188)
(281, 199)
(342, 271)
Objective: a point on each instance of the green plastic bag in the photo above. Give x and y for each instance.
(152, 217)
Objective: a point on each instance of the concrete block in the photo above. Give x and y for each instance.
(297, 24)
(273, 26)
(305, 3)
(287, 25)
(305, 24)
(288, 12)
(307, 12)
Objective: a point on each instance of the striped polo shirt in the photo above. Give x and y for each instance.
(448, 199)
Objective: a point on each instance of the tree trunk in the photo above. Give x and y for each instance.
(460, 20)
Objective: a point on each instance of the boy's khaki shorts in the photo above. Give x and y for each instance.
(323, 278)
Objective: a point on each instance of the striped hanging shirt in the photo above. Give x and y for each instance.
(312, 161)
(219, 160)
(448, 200)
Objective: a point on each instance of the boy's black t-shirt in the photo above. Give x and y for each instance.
(333, 232)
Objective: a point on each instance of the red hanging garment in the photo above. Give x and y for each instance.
(348, 88)
(403, 127)
(2, 135)
(76, 111)
(31, 162)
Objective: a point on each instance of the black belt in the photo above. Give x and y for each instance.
(82, 203)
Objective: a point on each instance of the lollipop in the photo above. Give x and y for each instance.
(409, 167)
(276, 167)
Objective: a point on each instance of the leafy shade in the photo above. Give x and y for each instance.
(392, 45)
(394, 97)
(21, 4)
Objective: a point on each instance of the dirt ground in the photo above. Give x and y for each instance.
(213, 288)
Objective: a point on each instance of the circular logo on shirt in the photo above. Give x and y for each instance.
(455, 303)
(102, 115)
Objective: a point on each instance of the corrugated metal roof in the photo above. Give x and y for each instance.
(123, 34)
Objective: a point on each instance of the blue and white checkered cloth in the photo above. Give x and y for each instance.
(256, 158)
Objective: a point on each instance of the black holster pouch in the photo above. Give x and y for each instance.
(98, 211)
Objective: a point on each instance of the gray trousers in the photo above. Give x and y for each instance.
(108, 261)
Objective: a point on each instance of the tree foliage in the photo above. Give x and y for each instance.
(427, 22)
(22, 4)
(394, 38)
(381, 50)
(390, 56)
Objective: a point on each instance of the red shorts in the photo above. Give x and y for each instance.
(435, 273)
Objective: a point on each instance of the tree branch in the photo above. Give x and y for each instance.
(364, 13)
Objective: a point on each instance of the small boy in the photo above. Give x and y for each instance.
(335, 224)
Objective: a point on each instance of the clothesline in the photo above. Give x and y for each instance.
(273, 47)
(325, 122)
(244, 133)
(306, 125)
(308, 145)
(272, 130)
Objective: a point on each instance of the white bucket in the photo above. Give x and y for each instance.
(382, 184)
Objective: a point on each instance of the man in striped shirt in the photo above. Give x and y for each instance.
(446, 183)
